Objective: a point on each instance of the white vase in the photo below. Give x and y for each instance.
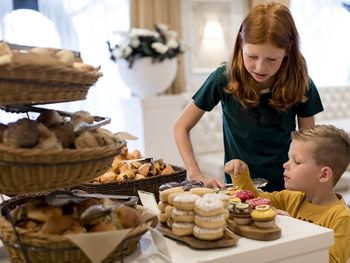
(145, 78)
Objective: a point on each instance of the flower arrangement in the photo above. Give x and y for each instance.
(159, 44)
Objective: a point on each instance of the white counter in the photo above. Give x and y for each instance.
(300, 242)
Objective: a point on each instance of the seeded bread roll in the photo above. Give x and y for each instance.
(126, 216)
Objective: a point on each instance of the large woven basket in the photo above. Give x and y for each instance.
(47, 81)
(34, 170)
(44, 248)
(130, 187)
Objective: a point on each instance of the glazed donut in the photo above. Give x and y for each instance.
(163, 195)
(172, 196)
(169, 210)
(183, 216)
(224, 198)
(210, 221)
(185, 202)
(162, 218)
(165, 186)
(209, 207)
(188, 185)
(244, 195)
(208, 234)
(201, 191)
(170, 222)
(162, 205)
(258, 201)
(182, 229)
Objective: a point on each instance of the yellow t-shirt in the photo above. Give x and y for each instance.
(335, 216)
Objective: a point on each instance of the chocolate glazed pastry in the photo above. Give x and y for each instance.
(188, 185)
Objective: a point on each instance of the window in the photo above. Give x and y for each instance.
(325, 39)
(83, 25)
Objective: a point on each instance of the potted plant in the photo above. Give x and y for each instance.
(147, 60)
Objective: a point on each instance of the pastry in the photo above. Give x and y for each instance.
(182, 229)
(127, 216)
(241, 213)
(209, 206)
(208, 234)
(263, 216)
(244, 195)
(183, 216)
(166, 186)
(56, 225)
(201, 191)
(50, 118)
(22, 133)
(172, 196)
(163, 195)
(224, 198)
(210, 221)
(64, 134)
(185, 201)
(258, 201)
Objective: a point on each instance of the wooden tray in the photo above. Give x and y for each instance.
(228, 240)
(253, 232)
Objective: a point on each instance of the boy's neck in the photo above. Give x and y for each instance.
(322, 198)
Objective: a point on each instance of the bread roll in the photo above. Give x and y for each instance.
(56, 225)
(50, 118)
(22, 133)
(125, 216)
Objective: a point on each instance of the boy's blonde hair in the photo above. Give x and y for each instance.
(331, 147)
(269, 23)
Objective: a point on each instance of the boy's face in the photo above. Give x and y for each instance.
(262, 61)
(301, 173)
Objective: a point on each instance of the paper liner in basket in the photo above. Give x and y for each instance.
(97, 246)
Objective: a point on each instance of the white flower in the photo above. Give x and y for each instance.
(135, 42)
(172, 43)
(162, 27)
(171, 34)
(160, 47)
(136, 32)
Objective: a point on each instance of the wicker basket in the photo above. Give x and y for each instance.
(44, 83)
(14, 92)
(44, 248)
(34, 170)
(130, 187)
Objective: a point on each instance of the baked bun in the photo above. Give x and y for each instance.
(22, 133)
(208, 234)
(56, 225)
(50, 118)
(42, 213)
(201, 191)
(64, 134)
(126, 216)
(102, 226)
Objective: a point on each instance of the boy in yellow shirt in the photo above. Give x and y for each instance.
(318, 156)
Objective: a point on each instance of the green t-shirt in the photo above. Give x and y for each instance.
(260, 136)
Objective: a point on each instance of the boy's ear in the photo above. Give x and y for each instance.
(326, 174)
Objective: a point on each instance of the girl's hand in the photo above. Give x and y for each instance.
(235, 167)
(212, 183)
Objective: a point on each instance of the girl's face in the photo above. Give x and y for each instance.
(262, 61)
(301, 173)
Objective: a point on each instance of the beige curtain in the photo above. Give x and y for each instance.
(255, 2)
(146, 13)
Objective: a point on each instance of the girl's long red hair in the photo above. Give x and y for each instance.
(269, 23)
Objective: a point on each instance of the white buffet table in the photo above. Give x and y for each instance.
(300, 242)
